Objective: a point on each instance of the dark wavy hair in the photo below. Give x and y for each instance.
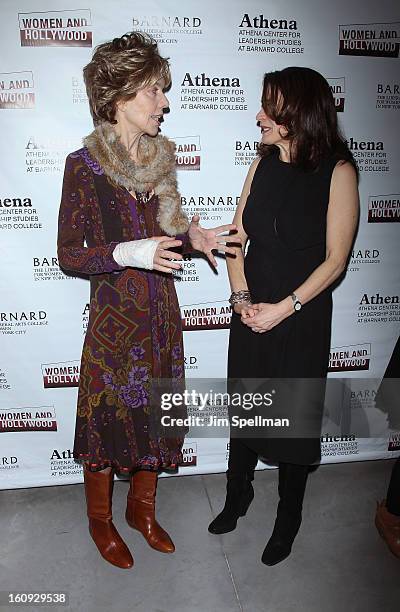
(301, 100)
(118, 69)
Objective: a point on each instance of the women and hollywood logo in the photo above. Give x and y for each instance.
(370, 39)
(17, 90)
(69, 28)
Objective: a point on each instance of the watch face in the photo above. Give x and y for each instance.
(297, 306)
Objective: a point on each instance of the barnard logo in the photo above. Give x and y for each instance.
(47, 269)
(202, 80)
(20, 321)
(187, 153)
(191, 362)
(261, 22)
(363, 396)
(384, 208)
(245, 151)
(246, 145)
(189, 452)
(361, 257)
(209, 315)
(45, 262)
(169, 29)
(69, 28)
(17, 90)
(388, 89)
(22, 315)
(210, 201)
(388, 96)
(350, 358)
(38, 418)
(64, 374)
(210, 207)
(365, 145)
(15, 202)
(9, 463)
(338, 90)
(370, 39)
(167, 22)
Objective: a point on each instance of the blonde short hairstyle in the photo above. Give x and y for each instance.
(118, 70)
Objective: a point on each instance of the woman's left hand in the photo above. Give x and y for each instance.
(208, 240)
(266, 316)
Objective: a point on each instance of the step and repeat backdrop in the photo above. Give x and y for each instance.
(219, 52)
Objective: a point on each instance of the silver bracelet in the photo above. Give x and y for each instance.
(240, 296)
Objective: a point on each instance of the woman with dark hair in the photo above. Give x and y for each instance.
(120, 196)
(299, 211)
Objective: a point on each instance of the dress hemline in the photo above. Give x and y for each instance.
(140, 465)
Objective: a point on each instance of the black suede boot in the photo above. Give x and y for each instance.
(239, 495)
(239, 490)
(292, 484)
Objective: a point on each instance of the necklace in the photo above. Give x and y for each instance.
(143, 197)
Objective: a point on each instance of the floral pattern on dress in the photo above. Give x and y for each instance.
(134, 333)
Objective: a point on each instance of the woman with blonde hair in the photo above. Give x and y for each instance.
(120, 196)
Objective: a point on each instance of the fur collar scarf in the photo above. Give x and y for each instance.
(156, 171)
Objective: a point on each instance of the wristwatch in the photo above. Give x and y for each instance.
(296, 302)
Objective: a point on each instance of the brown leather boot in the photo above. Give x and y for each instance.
(98, 490)
(140, 510)
(388, 525)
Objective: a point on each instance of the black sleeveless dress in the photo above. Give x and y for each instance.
(285, 220)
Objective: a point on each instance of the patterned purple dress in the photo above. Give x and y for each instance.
(134, 332)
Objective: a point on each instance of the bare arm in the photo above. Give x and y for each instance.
(342, 217)
(235, 264)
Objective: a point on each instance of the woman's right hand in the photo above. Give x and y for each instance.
(244, 309)
(162, 256)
